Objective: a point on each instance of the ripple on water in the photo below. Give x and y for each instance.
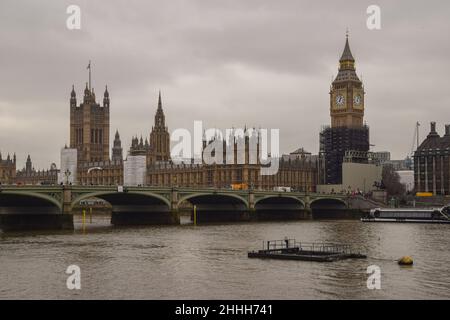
(208, 262)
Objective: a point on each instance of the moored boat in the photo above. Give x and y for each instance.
(418, 215)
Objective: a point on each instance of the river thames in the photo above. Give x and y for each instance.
(210, 262)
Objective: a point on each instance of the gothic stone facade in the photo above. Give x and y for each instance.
(89, 126)
(30, 176)
(296, 170)
(158, 149)
(105, 173)
(301, 175)
(432, 163)
(7, 169)
(89, 134)
(89, 129)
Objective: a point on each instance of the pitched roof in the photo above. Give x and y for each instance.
(347, 54)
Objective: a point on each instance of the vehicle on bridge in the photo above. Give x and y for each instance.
(282, 189)
(239, 186)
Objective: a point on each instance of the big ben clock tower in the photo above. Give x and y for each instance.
(347, 135)
(347, 94)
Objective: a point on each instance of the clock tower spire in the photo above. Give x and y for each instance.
(347, 93)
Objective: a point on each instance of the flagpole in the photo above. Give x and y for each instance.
(89, 75)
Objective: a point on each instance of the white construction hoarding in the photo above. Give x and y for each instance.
(68, 173)
(134, 170)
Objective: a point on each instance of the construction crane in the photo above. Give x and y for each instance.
(415, 139)
(414, 146)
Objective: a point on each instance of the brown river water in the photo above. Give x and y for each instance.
(210, 262)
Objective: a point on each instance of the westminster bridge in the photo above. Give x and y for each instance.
(50, 207)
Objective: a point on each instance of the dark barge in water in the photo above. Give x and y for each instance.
(289, 249)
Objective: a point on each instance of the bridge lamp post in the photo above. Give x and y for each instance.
(67, 174)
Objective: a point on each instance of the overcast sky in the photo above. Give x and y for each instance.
(226, 62)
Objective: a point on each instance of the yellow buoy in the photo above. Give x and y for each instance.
(405, 261)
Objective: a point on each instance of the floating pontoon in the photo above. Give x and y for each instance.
(289, 249)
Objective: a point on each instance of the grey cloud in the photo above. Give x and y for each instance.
(255, 62)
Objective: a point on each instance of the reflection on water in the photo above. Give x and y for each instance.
(210, 262)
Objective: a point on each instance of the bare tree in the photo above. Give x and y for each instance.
(391, 181)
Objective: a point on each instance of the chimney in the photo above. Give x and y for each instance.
(433, 132)
(447, 130)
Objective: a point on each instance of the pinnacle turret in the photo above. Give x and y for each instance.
(159, 101)
(347, 53)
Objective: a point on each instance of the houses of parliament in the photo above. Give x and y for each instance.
(97, 164)
(89, 135)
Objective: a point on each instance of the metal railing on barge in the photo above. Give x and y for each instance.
(316, 247)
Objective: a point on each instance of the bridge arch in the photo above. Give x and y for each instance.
(329, 208)
(135, 207)
(328, 201)
(214, 196)
(24, 199)
(269, 198)
(217, 207)
(130, 197)
(279, 207)
(30, 210)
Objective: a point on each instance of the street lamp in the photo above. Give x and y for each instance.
(67, 174)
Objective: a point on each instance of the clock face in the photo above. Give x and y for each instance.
(357, 100)
(340, 100)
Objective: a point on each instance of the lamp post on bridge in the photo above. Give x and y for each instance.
(67, 174)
